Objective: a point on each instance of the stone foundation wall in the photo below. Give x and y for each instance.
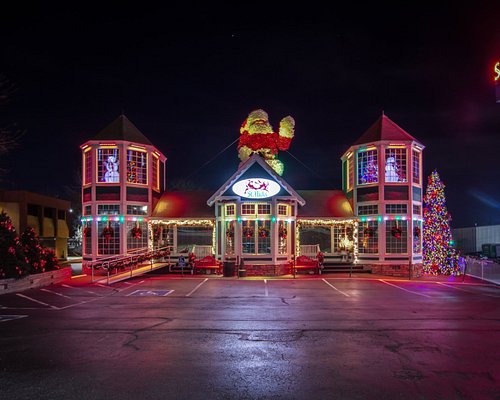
(400, 270)
(267, 270)
(35, 280)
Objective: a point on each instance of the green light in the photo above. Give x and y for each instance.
(397, 217)
(363, 219)
(139, 219)
(238, 219)
(379, 218)
(104, 218)
(122, 218)
(273, 219)
(452, 242)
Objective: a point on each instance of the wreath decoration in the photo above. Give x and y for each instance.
(87, 231)
(263, 232)
(157, 233)
(107, 233)
(369, 231)
(248, 231)
(282, 232)
(136, 232)
(396, 232)
(416, 232)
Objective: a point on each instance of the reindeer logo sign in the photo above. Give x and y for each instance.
(256, 188)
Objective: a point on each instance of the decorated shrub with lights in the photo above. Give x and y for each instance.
(12, 260)
(439, 255)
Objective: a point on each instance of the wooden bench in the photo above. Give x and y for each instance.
(304, 263)
(208, 263)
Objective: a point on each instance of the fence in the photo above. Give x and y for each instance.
(309, 250)
(483, 269)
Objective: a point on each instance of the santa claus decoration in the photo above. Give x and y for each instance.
(258, 136)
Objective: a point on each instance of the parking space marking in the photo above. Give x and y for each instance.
(5, 318)
(132, 285)
(333, 287)
(265, 288)
(467, 291)
(101, 285)
(406, 290)
(150, 293)
(196, 288)
(58, 294)
(77, 288)
(35, 300)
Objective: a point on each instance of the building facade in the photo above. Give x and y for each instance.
(256, 217)
(47, 215)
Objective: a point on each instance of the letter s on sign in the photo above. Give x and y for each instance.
(497, 71)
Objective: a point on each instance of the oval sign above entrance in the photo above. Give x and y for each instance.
(256, 188)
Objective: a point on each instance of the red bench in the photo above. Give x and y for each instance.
(304, 263)
(208, 263)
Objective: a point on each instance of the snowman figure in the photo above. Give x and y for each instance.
(391, 170)
(111, 174)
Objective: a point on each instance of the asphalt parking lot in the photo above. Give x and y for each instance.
(196, 337)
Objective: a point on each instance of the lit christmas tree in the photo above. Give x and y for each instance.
(439, 255)
(12, 260)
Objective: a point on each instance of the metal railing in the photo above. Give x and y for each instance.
(487, 270)
(119, 265)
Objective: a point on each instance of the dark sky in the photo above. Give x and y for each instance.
(187, 77)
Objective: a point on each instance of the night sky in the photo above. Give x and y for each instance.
(187, 78)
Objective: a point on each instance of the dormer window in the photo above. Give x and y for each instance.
(137, 171)
(108, 165)
(395, 164)
(367, 166)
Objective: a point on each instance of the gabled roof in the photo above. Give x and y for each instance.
(122, 129)
(384, 129)
(325, 204)
(187, 205)
(254, 159)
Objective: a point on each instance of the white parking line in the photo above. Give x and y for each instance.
(265, 288)
(101, 285)
(196, 288)
(406, 290)
(35, 300)
(58, 294)
(467, 291)
(78, 288)
(131, 285)
(5, 318)
(333, 287)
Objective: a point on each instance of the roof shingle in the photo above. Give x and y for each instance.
(122, 129)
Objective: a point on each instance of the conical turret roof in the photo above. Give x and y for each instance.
(384, 129)
(122, 129)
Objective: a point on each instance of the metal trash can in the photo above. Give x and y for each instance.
(228, 268)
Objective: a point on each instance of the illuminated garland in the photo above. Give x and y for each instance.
(351, 223)
(439, 257)
(189, 222)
